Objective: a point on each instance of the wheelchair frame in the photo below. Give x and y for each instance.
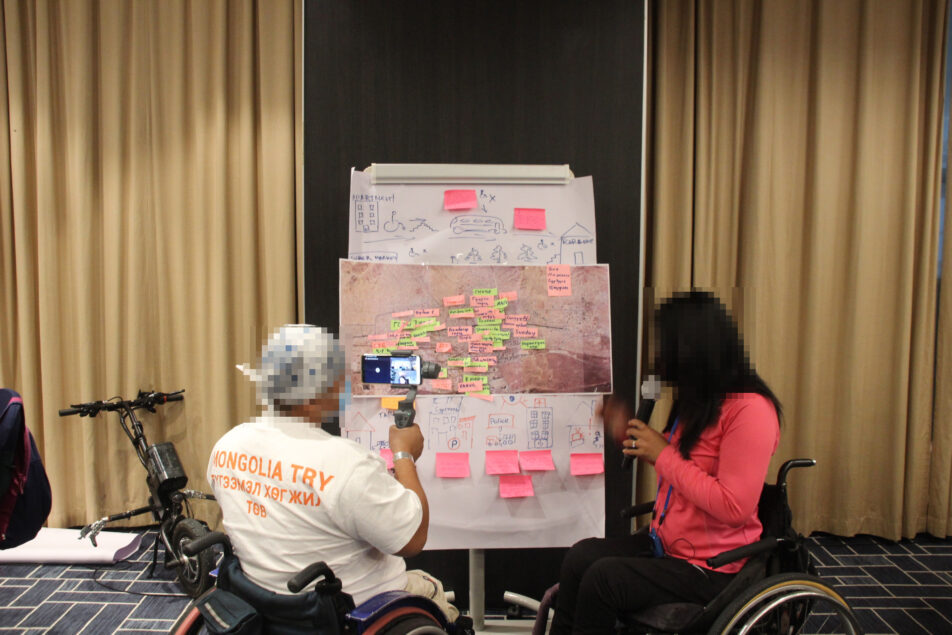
(388, 613)
(783, 594)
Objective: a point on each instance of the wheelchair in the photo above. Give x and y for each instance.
(776, 592)
(238, 605)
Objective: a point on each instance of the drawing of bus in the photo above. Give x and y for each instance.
(477, 225)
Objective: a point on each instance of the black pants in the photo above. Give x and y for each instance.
(604, 577)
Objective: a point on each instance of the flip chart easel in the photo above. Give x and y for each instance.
(498, 215)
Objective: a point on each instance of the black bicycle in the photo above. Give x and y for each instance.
(168, 501)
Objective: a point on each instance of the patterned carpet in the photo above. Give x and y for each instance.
(899, 588)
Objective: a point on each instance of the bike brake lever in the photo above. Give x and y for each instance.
(92, 530)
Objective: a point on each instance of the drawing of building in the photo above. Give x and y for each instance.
(539, 426)
(573, 245)
(359, 431)
(366, 216)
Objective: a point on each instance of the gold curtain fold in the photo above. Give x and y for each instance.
(940, 480)
(150, 168)
(795, 157)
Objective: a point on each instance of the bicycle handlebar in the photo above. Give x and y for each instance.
(144, 400)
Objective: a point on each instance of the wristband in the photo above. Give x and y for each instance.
(403, 455)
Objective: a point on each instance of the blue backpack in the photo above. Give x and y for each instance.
(25, 497)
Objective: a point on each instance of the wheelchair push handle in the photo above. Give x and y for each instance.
(311, 573)
(194, 547)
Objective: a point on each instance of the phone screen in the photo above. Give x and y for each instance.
(388, 369)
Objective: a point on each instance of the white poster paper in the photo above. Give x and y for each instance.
(408, 224)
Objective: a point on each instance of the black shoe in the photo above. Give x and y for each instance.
(464, 625)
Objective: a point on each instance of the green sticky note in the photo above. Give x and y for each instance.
(423, 330)
(502, 303)
(488, 321)
(533, 345)
(408, 341)
(484, 291)
(381, 351)
(502, 335)
(395, 325)
(481, 378)
(444, 373)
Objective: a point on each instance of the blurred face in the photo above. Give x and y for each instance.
(323, 406)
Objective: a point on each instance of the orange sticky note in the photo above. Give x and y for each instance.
(443, 347)
(480, 395)
(512, 296)
(459, 199)
(441, 384)
(528, 218)
(559, 279)
(387, 455)
(452, 464)
(468, 386)
(454, 300)
(515, 486)
(536, 460)
(585, 463)
(390, 403)
(502, 461)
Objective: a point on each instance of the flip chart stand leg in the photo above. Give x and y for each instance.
(477, 587)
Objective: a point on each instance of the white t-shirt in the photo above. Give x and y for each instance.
(291, 494)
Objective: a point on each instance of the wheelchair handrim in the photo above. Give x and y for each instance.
(802, 589)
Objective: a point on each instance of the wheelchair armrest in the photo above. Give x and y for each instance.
(638, 510)
(761, 546)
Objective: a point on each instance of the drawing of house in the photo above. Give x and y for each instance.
(359, 431)
(573, 245)
(539, 426)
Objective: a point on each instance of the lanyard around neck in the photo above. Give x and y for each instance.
(667, 498)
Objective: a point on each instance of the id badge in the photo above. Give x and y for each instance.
(656, 545)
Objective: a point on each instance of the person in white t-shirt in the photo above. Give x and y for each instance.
(293, 494)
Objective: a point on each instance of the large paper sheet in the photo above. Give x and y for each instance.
(409, 224)
(536, 339)
(471, 512)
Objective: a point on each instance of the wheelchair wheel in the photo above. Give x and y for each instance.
(412, 624)
(782, 603)
(193, 575)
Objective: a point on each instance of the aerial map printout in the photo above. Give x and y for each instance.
(495, 330)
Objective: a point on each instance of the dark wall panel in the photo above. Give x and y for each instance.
(433, 81)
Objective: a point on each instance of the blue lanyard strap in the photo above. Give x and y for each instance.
(667, 498)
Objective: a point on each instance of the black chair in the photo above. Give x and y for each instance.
(775, 592)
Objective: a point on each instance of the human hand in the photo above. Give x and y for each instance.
(409, 439)
(615, 413)
(643, 442)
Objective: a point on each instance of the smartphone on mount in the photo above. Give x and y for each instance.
(391, 369)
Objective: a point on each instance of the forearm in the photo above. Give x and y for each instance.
(404, 470)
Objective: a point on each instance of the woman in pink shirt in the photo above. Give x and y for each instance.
(711, 461)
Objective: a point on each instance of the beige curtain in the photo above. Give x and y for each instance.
(149, 191)
(940, 483)
(795, 170)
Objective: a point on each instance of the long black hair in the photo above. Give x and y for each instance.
(701, 353)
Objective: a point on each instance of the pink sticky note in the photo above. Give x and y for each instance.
(441, 384)
(512, 296)
(584, 463)
(468, 386)
(480, 395)
(443, 347)
(502, 461)
(387, 455)
(559, 279)
(400, 314)
(459, 199)
(454, 300)
(515, 486)
(528, 218)
(452, 464)
(539, 460)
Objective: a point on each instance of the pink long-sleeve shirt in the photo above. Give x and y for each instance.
(714, 495)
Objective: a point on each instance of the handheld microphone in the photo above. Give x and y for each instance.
(650, 393)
